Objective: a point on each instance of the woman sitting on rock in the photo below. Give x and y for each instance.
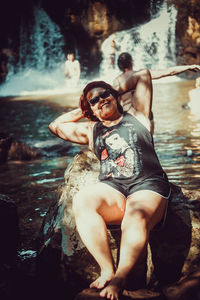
(133, 190)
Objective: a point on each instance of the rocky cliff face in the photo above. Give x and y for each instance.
(90, 22)
(86, 24)
(188, 31)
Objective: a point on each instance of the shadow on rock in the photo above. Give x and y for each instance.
(170, 246)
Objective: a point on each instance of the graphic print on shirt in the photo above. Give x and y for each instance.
(120, 153)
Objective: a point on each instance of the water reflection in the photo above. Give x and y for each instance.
(33, 184)
(177, 134)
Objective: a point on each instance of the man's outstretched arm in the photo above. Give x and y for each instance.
(175, 70)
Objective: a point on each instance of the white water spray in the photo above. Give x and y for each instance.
(41, 65)
(152, 45)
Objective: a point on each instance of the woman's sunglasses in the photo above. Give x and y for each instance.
(103, 95)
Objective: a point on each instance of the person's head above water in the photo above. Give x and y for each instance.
(125, 61)
(70, 56)
(86, 105)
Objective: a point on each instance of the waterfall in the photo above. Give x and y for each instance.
(41, 62)
(45, 47)
(42, 57)
(152, 45)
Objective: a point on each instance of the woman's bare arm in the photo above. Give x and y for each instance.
(68, 128)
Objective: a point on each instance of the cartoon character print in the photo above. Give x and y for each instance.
(118, 158)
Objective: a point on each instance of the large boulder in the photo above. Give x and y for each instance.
(173, 251)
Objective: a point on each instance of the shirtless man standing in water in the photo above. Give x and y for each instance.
(125, 64)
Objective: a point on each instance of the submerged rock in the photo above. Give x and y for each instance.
(21, 151)
(10, 149)
(5, 142)
(173, 251)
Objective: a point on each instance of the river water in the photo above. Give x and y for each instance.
(177, 133)
(33, 184)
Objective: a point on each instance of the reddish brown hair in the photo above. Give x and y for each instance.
(85, 106)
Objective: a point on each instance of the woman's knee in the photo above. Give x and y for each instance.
(134, 228)
(83, 201)
(136, 218)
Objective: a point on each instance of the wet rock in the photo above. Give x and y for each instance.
(10, 149)
(8, 227)
(173, 251)
(186, 288)
(9, 241)
(57, 147)
(5, 143)
(21, 151)
(139, 294)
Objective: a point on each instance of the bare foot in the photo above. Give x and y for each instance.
(113, 289)
(101, 281)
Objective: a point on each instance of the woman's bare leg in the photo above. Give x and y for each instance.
(144, 209)
(92, 211)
